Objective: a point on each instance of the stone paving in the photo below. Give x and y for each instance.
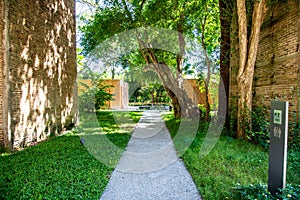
(149, 167)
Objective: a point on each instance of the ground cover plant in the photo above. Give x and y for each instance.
(230, 165)
(60, 168)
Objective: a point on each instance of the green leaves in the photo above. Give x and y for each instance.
(115, 17)
(95, 97)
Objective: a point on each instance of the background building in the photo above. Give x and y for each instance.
(119, 90)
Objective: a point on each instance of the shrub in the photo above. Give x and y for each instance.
(94, 97)
(294, 137)
(260, 191)
(260, 133)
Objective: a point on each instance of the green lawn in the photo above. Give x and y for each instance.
(63, 168)
(229, 163)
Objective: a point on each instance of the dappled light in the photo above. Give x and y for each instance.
(42, 70)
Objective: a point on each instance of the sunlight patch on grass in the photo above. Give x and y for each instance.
(61, 167)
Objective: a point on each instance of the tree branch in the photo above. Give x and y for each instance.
(128, 13)
(242, 28)
(259, 11)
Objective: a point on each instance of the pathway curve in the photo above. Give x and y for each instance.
(149, 167)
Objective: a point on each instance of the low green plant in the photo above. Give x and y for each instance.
(95, 97)
(293, 163)
(202, 110)
(260, 138)
(2, 149)
(294, 136)
(260, 133)
(260, 191)
(60, 168)
(230, 162)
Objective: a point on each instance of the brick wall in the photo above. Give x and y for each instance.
(42, 68)
(278, 59)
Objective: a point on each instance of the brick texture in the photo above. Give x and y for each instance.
(278, 59)
(42, 69)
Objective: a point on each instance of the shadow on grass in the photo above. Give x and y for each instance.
(60, 168)
(106, 134)
(63, 168)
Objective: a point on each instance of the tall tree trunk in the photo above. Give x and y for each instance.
(152, 97)
(208, 64)
(175, 103)
(247, 58)
(113, 71)
(206, 81)
(224, 62)
(182, 104)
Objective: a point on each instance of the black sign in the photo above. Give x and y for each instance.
(278, 146)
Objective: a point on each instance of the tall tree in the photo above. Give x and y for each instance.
(118, 16)
(207, 25)
(247, 57)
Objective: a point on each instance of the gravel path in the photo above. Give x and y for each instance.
(150, 168)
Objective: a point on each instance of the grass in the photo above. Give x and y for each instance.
(229, 163)
(63, 168)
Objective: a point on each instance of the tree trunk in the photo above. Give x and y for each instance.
(225, 19)
(206, 82)
(175, 103)
(182, 104)
(208, 64)
(207, 105)
(112, 72)
(247, 58)
(152, 97)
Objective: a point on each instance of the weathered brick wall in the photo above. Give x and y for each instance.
(278, 59)
(42, 68)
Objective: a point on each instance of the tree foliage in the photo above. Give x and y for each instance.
(115, 17)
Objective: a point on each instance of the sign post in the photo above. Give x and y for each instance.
(278, 146)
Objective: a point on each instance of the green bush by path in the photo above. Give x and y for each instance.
(230, 163)
(260, 191)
